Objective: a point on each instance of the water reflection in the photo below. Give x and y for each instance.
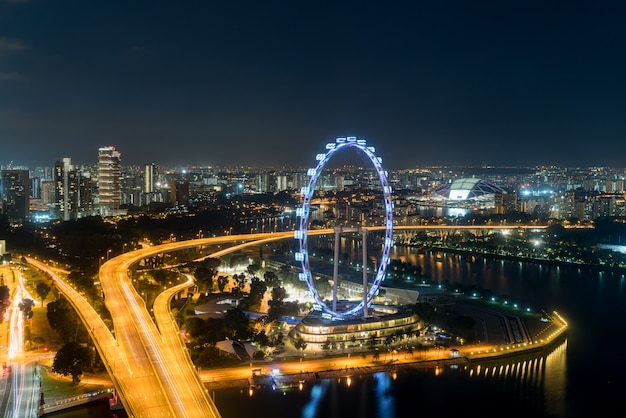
(541, 379)
(384, 395)
(535, 385)
(318, 391)
(576, 379)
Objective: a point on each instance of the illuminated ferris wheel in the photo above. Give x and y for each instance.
(301, 234)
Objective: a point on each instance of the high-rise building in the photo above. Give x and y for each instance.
(148, 178)
(85, 195)
(72, 191)
(109, 180)
(48, 192)
(281, 183)
(16, 195)
(150, 193)
(505, 202)
(62, 172)
(179, 193)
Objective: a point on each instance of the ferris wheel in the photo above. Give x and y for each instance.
(301, 233)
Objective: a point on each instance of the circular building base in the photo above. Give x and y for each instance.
(318, 331)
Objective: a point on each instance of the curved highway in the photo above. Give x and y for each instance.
(148, 363)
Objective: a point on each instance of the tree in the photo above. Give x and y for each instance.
(206, 272)
(300, 345)
(5, 293)
(253, 268)
(72, 359)
(222, 281)
(262, 339)
(83, 282)
(257, 291)
(288, 276)
(204, 277)
(271, 279)
(241, 282)
(194, 326)
(63, 319)
(276, 303)
(237, 324)
(42, 290)
(26, 306)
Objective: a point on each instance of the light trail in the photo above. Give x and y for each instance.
(151, 370)
(25, 387)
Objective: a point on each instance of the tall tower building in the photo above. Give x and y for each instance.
(179, 193)
(148, 178)
(149, 184)
(62, 169)
(109, 180)
(72, 191)
(16, 194)
(84, 198)
(281, 183)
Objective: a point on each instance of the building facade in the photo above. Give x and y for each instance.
(16, 195)
(109, 180)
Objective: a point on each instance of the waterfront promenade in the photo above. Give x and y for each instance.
(541, 334)
(291, 368)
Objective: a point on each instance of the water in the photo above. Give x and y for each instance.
(582, 377)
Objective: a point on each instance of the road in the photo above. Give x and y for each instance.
(22, 385)
(150, 369)
(148, 363)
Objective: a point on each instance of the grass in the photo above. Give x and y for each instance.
(38, 324)
(55, 386)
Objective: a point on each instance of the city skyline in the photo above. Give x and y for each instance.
(248, 84)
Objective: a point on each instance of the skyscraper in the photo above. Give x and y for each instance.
(109, 180)
(150, 193)
(148, 179)
(62, 170)
(16, 195)
(179, 193)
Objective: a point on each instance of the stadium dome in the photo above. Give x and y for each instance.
(466, 189)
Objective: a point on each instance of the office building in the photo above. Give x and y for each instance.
(109, 180)
(16, 195)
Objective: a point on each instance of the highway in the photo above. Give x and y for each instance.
(150, 369)
(20, 397)
(159, 346)
(147, 361)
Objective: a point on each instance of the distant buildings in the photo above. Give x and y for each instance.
(150, 192)
(69, 191)
(16, 195)
(179, 193)
(467, 188)
(109, 180)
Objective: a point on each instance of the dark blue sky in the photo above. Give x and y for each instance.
(270, 83)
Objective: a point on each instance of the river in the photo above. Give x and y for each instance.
(582, 377)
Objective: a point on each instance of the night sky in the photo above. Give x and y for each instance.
(268, 83)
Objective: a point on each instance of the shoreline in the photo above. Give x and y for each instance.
(421, 360)
(546, 261)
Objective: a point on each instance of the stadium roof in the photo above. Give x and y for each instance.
(467, 189)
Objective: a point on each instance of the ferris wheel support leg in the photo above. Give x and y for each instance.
(364, 251)
(336, 266)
